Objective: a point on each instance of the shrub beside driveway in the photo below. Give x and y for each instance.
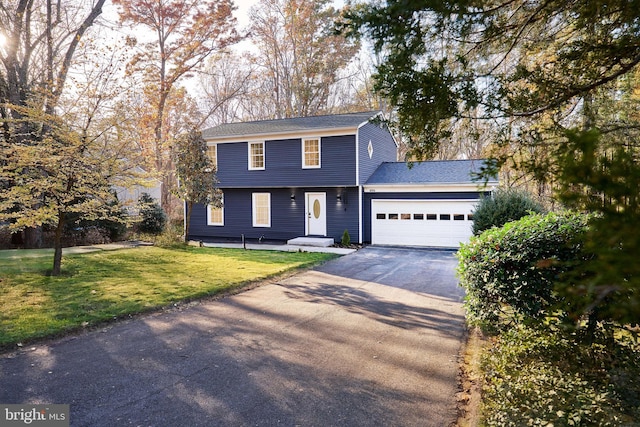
(102, 286)
(548, 363)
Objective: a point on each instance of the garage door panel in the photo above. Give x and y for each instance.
(421, 222)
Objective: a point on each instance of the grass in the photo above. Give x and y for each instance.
(102, 286)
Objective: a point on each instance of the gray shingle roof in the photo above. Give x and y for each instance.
(266, 127)
(430, 172)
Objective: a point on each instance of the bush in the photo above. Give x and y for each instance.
(509, 273)
(171, 237)
(504, 206)
(116, 227)
(84, 231)
(5, 237)
(152, 218)
(536, 376)
(346, 239)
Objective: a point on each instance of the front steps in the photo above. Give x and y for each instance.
(320, 242)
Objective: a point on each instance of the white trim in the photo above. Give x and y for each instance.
(253, 210)
(209, 207)
(395, 199)
(319, 165)
(360, 187)
(429, 188)
(358, 150)
(294, 134)
(250, 158)
(307, 210)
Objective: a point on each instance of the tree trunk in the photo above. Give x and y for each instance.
(166, 201)
(57, 253)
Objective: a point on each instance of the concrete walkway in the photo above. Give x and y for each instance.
(275, 247)
(18, 253)
(369, 339)
(133, 244)
(104, 247)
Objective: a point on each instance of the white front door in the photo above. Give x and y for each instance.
(316, 204)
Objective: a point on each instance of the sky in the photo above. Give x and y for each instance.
(243, 11)
(244, 5)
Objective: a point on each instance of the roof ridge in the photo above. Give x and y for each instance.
(372, 112)
(443, 160)
(290, 125)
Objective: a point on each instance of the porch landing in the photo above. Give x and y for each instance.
(321, 242)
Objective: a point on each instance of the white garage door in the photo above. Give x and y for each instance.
(440, 223)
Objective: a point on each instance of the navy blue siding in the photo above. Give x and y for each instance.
(342, 215)
(384, 149)
(287, 216)
(368, 197)
(283, 164)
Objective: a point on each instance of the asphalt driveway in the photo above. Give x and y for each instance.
(369, 339)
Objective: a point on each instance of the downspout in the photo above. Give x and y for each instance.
(360, 190)
(358, 184)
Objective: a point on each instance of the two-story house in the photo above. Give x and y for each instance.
(320, 176)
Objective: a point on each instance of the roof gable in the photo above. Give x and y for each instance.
(289, 126)
(429, 172)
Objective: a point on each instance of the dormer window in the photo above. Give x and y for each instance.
(311, 153)
(256, 155)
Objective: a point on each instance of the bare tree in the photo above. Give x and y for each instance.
(225, 83)
(187, 33)
(300, 56)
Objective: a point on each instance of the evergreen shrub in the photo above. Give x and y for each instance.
(152, 218)
(502, 207)
(346, 239)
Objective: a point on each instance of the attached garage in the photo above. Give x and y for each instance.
(429, 204)
(439, 223)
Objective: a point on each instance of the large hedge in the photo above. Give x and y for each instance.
(509, 273)
(504, 205)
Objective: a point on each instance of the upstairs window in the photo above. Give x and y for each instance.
(256, 155)
(311, 153)
(212, 153)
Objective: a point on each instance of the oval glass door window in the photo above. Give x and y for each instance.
(316, 209)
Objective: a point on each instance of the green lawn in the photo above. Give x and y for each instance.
(101, 286)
